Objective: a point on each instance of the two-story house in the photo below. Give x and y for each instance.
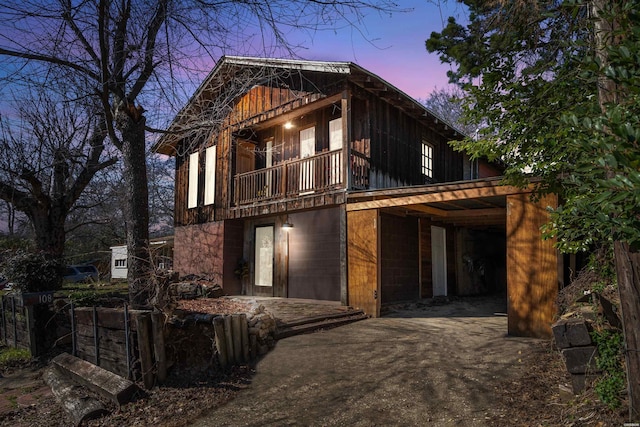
(307, 179)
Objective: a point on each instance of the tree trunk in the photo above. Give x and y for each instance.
(628, 273)
(627, 261)
(48, 227)
(136, 207)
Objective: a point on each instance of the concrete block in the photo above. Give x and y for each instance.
(559, 333)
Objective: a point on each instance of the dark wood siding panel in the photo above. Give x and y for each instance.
(396, 143)
(426, 280)
(399, 258)
(314, 255)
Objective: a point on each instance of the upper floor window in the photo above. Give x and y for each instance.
(210, 175)
(335, 134)
(427, 160)
(194, 169)
(209, 190)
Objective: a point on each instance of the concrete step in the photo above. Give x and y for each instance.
(316, 323)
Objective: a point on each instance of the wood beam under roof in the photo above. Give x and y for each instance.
(435, 197)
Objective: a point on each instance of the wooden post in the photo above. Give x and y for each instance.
(532, 267)
(231, 357)
(96, 339)
(221, 341)
(363, 238)
(237, 337)
(244, 328)
(143, 323)
(157, 328)
(31, 330)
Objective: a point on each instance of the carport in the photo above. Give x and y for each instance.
(416, 242)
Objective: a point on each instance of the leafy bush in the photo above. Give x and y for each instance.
(610, 386)
(13, 356)
(33, 271)
(86, 298)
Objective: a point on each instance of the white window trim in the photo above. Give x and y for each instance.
(210, 175)
(426, 159)
(194, 169)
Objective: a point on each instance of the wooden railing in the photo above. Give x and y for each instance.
(291, 178)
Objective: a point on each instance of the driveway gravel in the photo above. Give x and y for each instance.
(419, 365)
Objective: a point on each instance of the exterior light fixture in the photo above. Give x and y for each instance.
(288, 125)
(287, 226)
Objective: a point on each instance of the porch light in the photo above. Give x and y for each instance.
(287, 226)
(288, 125)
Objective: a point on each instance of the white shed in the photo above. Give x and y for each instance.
(161, 254)
(118, 262)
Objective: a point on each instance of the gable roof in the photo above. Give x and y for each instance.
(229, 67)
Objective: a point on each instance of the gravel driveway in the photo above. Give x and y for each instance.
(417, 366)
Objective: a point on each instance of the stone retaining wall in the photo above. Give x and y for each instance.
(572, 337)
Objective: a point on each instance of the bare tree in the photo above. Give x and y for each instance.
(49, 157)
(448, 103)
(135, 52)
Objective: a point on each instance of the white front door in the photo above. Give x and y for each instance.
(307, 149)
(264, 256)
(439, 260)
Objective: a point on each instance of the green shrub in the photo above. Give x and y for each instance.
(33, 271)
(13, 356)
(611, 384)
(85, 298)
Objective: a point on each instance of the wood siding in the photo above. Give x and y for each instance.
(363, 259)
(426, 280)
(314, 255)
(383, 148)
(532, 267)
(399, 259)
(394, 139)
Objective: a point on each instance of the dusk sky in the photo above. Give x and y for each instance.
(396, 47)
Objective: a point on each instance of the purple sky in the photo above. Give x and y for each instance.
(393, 47)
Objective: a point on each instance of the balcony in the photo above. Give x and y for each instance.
(291, 178)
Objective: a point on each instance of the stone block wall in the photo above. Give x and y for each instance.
(572, 337)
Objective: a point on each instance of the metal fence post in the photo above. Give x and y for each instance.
(96, 340)
(126, 340)
(74, 348)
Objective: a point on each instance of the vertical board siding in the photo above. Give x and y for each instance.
(314, 255)
(362, 253)
(426, 280)
(399, 259)
(532, 267)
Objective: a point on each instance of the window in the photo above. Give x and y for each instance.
(192, 197)
(335, 134)
(210, 175)
(427, 160)
(121, 263)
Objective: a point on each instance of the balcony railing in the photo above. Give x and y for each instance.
(291, 178)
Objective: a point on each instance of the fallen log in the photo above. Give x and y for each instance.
(105, 383)
(74, 399)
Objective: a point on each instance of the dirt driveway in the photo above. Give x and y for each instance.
(417, 366)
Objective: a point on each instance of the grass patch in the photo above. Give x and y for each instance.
(13, 356)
